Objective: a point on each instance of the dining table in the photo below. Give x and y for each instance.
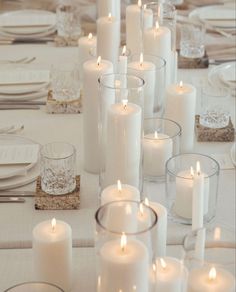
(17, 220)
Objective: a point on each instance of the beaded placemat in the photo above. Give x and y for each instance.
(205, 134)
(44, 201)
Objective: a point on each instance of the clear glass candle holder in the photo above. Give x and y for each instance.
(161, 141)
(215, 107)
(121, 104)
(165, 15)
(153, 70)
(34, 287)
(218, 249)
(124, 246)
(58, 168)
(180, 171)
(192, 40)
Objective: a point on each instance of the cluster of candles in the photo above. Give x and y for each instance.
(125, 263)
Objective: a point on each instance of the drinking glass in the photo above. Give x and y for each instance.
(192, 40)
(58, 168)
(215, 112)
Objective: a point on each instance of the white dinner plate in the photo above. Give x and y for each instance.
(27, 29)
(10, 171)
(218, 75)
(221, 16)
(24, 97)
(29, 36)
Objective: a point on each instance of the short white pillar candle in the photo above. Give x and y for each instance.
(157, 149)
(52, 251)
(124, 265)
(180, 107)
(205, 280)
(119, 192)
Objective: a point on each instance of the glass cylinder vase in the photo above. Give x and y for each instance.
(124, 246)
(121, 116)
(180, 186)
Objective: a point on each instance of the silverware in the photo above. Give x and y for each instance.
(17, 193)
(21, 102)
(25, 60)
(11, 129)
(11, 200)
(220, 61)
(26, 41)
(20, 106)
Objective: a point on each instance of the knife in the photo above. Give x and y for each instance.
(10, 102)
(26, 41)
(11, 200)
(17, 193)
(20, 106)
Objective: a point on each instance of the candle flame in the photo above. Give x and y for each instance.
(146, 201)
(53, 223)
(157, 25)
(212, 274)
(217, 233)
(123, 241)
(124, 51)
(125, 102)
(181, 84)
(141, 59)
(109, 16)
(155, 135)
(154, 267)
(139, 3)
(90, 36)
(119, 186)
(145, 6)
(134, 288)
(141, 209)
(198, 168)
(191, 171)
(99, 60)
(163, 263)
(99, 281)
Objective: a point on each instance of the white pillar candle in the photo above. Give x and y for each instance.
(198, 199)
(174, 66)
(108, 38)
(86, 45)
(124, 266)
(161, 229)
(104, 7)
(52, 251)
(92, 69)
(184, 193)
(147, 18)
(180, 107)
(157, 42)
(170, 275)
(133, 27)
(146, 71)
(122, 63)
(119, 192)
(157, 149)
(123, 143)
(205, 280)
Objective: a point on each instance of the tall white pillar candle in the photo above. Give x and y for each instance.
(134, 28)
(210, 280)
(92, 69)
(157, 149)
(198, 199)
(123, 144)
(147, 18)
(52, 250)
(184, 193)
(161, 232)
(170, 275)
(86, 45)
(104, 7)
(180, 107)
(108, 38)
(157, 42)
(124, 266)
(119, 192)
(146, 71)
